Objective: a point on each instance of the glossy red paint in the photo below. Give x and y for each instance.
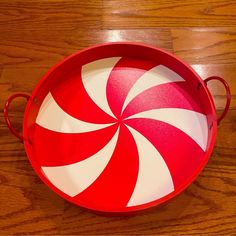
(228, 95)
(6, 113)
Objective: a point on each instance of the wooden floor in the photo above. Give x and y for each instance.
(34, 35)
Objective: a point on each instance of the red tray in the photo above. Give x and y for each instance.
(119, 127)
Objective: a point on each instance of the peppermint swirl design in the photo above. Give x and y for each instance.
(114, 134)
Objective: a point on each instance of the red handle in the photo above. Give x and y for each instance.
(228, 95)
(6, 116)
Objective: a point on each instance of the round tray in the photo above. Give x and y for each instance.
(119, 127)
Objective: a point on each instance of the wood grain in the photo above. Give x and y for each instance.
(37, 51)
(34, 35)
(162, 13)
(205, 45)
(56, 16)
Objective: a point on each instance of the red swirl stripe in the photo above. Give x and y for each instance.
(170, 95)
(57, 149)
(123, 76)
(113, 188)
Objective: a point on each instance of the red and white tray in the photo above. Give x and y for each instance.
(119, 127)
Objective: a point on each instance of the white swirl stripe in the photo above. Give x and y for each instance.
(52, 117)
(95, 76)
(156, 76)
(154, 179)
(194, 124)
(74, 178)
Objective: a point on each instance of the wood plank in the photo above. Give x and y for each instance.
(205, 45)
(36, 51)
(48, 17)
(27, 205)
(173, 13)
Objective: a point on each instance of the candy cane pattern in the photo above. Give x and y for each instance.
(116, 136)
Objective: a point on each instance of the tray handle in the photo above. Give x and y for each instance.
(6, 114)
(228, 95)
